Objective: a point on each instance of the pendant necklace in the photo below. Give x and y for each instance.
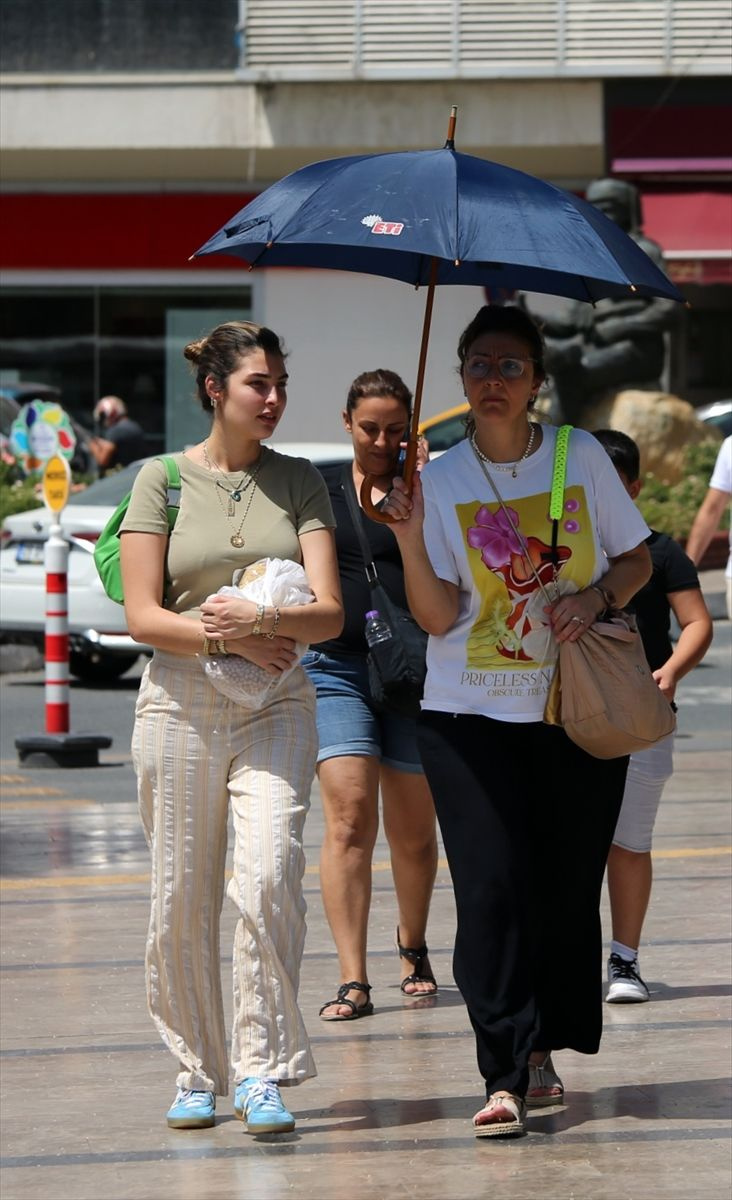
(234, 496)
(512, 467)
(234, 493)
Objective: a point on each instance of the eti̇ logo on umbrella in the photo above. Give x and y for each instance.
(379, 226)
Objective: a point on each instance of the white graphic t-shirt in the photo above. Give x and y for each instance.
(498, 658)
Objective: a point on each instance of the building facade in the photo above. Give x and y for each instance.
(131, 131)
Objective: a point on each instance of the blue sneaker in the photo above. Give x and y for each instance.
(192, 1110)
(258, 1103)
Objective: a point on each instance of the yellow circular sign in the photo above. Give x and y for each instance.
(56, 483)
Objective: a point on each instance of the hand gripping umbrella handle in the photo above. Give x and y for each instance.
(410, 461)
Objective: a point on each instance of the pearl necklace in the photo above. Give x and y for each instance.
(512, 467)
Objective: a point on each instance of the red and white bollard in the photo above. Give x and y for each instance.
(57, 747)
(56, 560)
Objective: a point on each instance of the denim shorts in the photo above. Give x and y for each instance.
(348, 722)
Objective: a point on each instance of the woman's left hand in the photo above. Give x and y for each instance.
(227, 616)
(571, 616)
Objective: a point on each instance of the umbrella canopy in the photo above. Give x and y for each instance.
(437, 217)
(486, 224)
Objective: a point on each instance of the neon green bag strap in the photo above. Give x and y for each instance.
(559, 475)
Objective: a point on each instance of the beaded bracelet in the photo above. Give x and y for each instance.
(275, 622)
(258, 619)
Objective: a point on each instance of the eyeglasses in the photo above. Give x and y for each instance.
(509, 367)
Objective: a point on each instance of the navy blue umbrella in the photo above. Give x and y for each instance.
(439, 217)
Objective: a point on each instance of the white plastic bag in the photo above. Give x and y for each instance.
(268, 581)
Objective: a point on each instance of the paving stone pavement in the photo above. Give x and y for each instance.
(85, 1083)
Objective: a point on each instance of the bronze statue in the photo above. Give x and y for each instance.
(616, 344)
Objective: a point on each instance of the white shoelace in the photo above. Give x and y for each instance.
(188, 1098)
(266, 1093)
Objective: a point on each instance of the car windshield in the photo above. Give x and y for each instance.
(446, 433)
(108, 491)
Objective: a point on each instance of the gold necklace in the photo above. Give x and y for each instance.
(236, 539)
(507, 466)
(234, 493)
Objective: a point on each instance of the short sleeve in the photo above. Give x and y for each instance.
(314, 509)
(436, 541)
(619, 522)
(680, 574)
(147, 511)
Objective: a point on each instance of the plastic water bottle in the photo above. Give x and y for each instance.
(377, 629)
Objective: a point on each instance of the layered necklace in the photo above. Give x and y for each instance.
(512, 467)
(234, 494)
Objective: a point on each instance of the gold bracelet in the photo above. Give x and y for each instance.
(275, 622)
(258, 619)
(213, 646)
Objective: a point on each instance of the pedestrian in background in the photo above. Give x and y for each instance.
(709, 517)
(198, 754)
(673, 587)
(527, 816)
(117, 439)
(364, 751)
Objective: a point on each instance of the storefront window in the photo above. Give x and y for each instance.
(92, 342)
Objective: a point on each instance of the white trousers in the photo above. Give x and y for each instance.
(195, 753)
(648, 773)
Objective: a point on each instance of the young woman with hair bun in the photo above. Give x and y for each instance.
(199, 755)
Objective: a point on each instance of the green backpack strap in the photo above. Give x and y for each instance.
(559, 479)
(107, 549)
(173, 496)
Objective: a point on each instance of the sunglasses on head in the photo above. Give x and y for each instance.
(509, 367)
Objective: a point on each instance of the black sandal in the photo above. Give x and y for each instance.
(363, 1010)
(416, 958)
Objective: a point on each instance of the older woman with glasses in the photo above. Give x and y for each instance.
(527, 817)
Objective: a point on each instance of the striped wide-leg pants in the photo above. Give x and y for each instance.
(195, 753)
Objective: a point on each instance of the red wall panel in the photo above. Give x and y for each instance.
(98, 231)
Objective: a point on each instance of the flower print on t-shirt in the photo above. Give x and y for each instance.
(511, 625)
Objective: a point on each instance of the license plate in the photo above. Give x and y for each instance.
(30, 552)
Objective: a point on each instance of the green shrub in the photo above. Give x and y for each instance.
(17, 495)
(671, 507)
(21, 493)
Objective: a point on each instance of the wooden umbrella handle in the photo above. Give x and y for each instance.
(411, 458)
(410, 462)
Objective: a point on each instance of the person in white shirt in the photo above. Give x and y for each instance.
(527, 817)
(707, 520)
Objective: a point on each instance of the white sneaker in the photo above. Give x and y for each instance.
(626, 985)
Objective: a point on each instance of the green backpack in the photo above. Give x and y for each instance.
(106, 551)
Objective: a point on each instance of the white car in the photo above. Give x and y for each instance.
(100, 648)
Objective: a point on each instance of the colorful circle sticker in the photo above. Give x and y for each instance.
(42, 428)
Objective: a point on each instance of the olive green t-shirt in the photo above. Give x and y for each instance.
(290, 498)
